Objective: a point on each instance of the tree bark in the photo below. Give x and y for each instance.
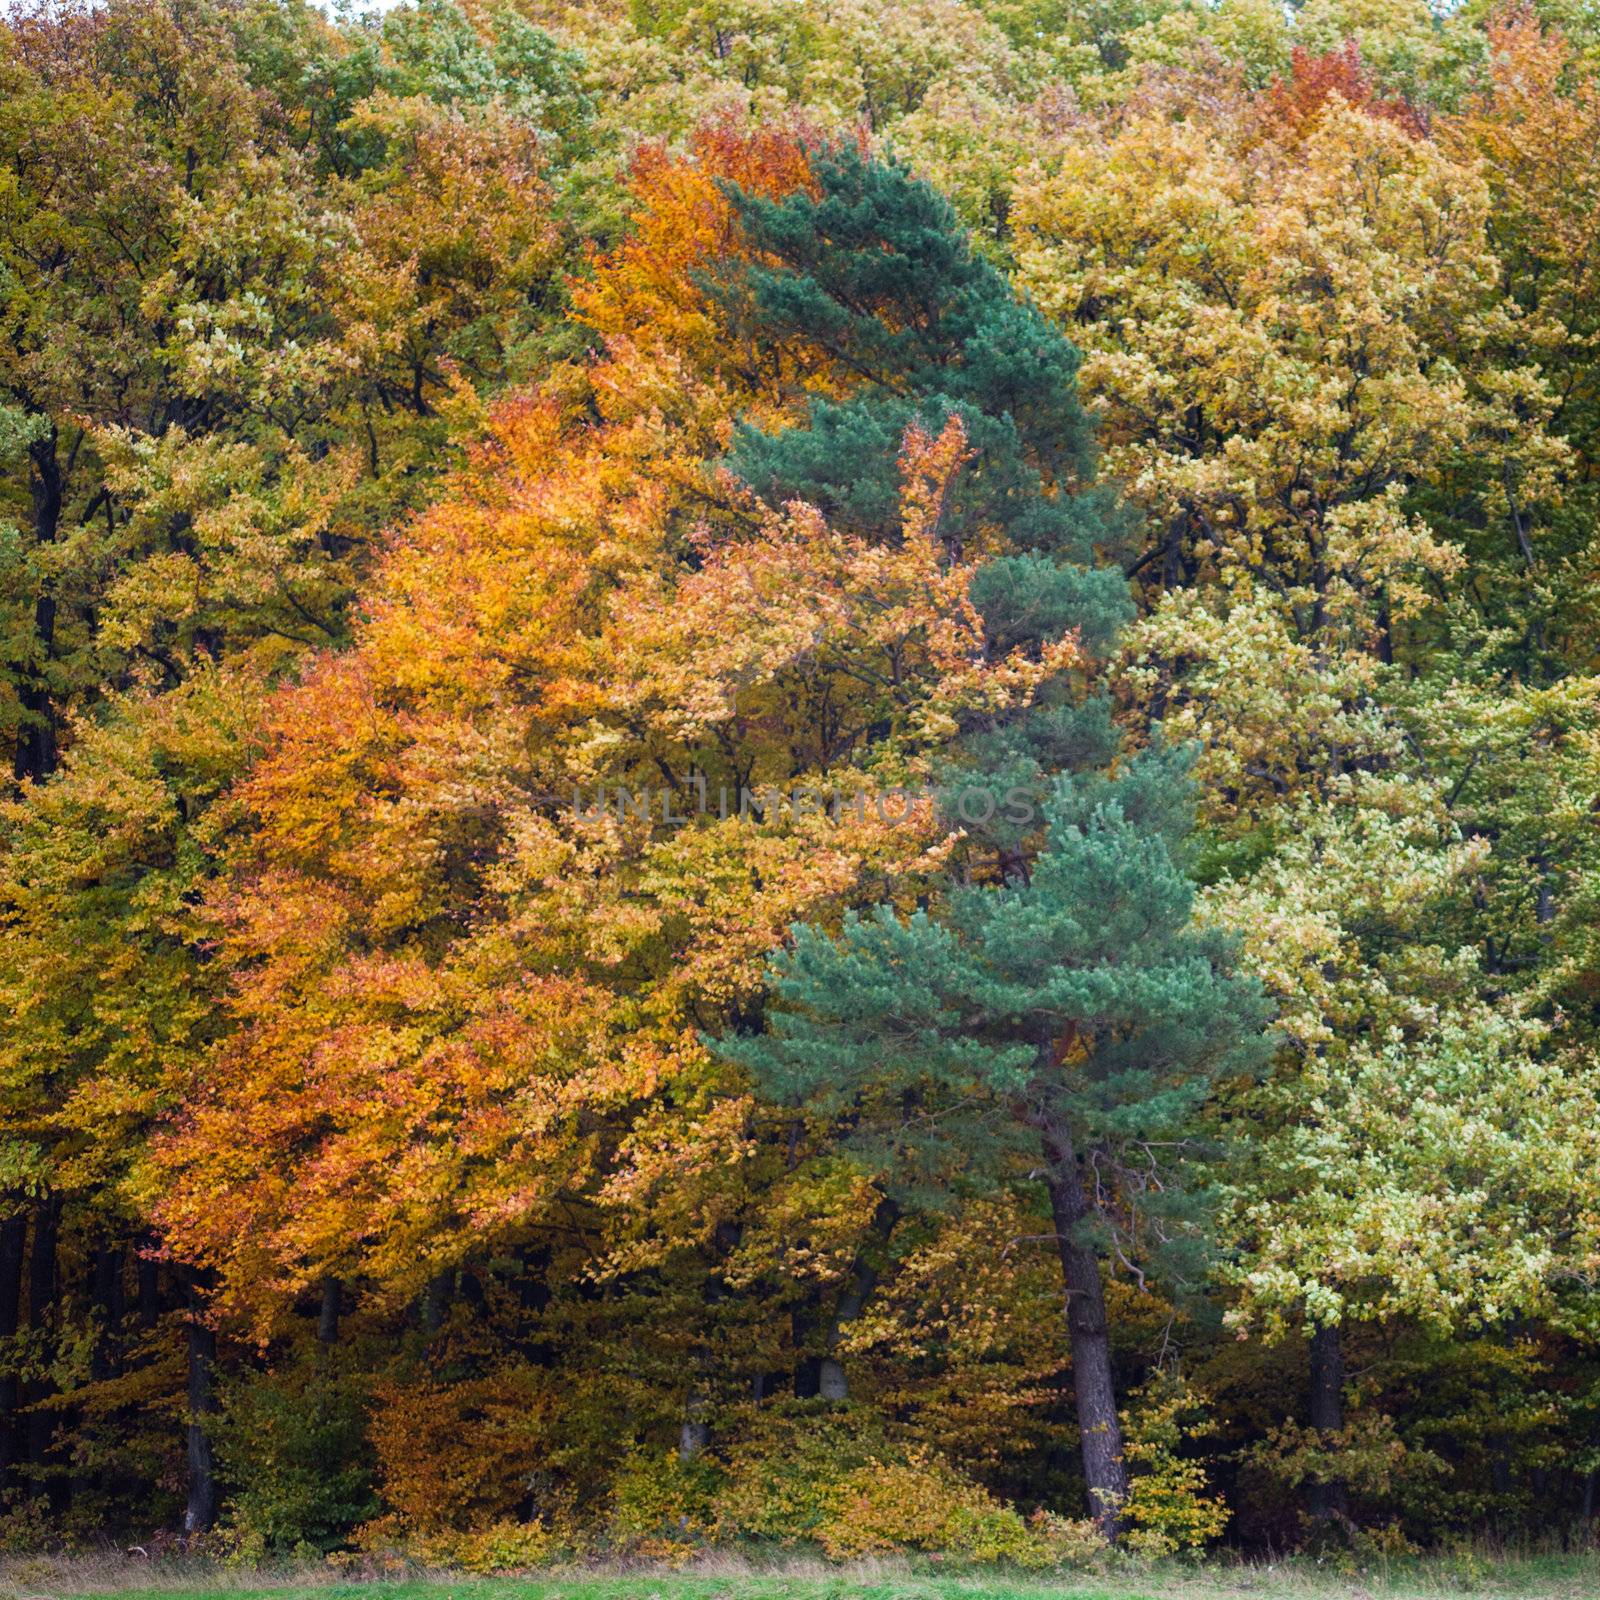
(807, 1372)
(695, 1432)
(13, 1253)
(332, 1306)
(42, 1284)
(1099, 1428)
(105, 1295)
(1330, 1501)
(436, 1300)
(147, 1282)
(533, 1298)
(833, 1382)
(201, 1511)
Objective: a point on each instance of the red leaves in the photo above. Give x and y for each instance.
(1313, 80)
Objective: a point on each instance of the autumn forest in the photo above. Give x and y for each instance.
(799, 774)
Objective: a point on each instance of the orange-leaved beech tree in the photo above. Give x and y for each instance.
(471, 957)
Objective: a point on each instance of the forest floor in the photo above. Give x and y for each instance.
(1569, 1577)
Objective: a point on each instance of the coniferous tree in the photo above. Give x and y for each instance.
(1073, 1008)
(1061, 1003)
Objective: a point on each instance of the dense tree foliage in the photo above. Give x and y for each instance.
(811, 773)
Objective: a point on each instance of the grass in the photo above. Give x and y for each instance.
(1525, 1577)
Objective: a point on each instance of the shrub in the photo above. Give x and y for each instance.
(924, 1505)
(837, 1478)
(1168, 1509)
(886, 1506)
(503, 1546)
(782, 1474)
(464, 1454)
(657, 1496)
(292, 1445)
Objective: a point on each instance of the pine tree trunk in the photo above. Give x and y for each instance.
(201, 1511)
(1099, 1428)
(1327, 1501)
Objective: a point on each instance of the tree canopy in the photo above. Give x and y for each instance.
(800, 774)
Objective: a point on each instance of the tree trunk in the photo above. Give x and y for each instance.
(833, 1383)
(695, 1433)
(42, 1285)
(147, 1283)
(105, 1295)
(1099, 1429)
(436, 1300)
(1327, 1501)
(13, 1253)
(807, 1375)
(332, 1305)
(533, 1298)
(201, 1511)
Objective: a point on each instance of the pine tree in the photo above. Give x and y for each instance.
(1074, 1006)
(876, 271)
(1060, 1003)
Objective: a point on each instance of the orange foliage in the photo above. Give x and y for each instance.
(1313, 80)
(879, 630)
(459, 1000)
(1536, 128)
(647, 287)
(459, 1453)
